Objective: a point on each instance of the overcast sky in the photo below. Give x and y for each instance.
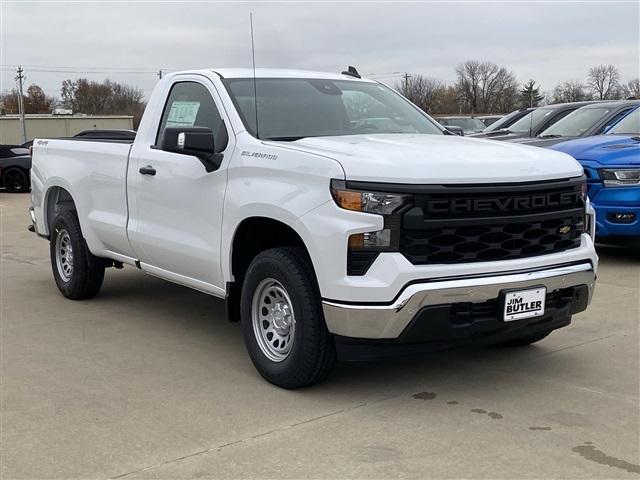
(546, 41)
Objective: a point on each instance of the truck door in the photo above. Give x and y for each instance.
(175, 205)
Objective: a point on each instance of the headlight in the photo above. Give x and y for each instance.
(620, 177)
(363, 248)
(368, 202)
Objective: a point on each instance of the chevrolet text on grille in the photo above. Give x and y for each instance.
(504, 204)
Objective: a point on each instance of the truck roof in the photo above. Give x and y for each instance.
(274, 73)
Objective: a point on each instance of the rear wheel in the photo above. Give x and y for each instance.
(78, 274)
(282, 321)
(524, 341)
(15, 180)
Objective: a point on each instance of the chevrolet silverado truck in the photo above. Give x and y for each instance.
(336, 219)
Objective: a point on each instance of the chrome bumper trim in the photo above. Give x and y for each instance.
(34, 225)
(32, 214)
(388, 321)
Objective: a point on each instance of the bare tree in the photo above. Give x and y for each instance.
(468, 83)
(570, 91)
(633, 88)
(425, 92)
(35, 101)
(506, 93)
(449, 101)
(485, 86)
(106, 98)
(603, 81)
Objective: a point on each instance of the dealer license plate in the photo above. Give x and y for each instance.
(524, 304)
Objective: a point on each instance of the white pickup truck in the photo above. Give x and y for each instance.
(336, 219)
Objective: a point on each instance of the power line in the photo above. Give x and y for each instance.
(68, 67)
(103, 72)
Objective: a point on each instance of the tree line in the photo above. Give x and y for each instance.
(80, 96)
(480, 87)
(485, 87)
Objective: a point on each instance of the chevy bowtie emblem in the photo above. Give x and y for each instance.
(564, 229)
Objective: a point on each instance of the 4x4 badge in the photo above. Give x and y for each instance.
(564, 229)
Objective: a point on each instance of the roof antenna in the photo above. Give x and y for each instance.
(352, 72)
(255, 86)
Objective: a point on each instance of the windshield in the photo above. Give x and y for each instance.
(467, 124)
(576, 123)
(503, 122)
(293, 108)
(531, 121)
(629, 125)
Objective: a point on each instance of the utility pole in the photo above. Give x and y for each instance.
(20, 78)
(160, 74)
(406, 77)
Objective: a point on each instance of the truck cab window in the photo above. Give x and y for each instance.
(189, 104)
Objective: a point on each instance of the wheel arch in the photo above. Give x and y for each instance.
(251, 236)
(56, 199)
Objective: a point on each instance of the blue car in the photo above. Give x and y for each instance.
(612, 165)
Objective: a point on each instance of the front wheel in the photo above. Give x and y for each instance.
(282, 321)
(78, 274)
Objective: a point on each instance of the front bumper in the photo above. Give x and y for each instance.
(390, 320)
(609, 201)
(606, 225)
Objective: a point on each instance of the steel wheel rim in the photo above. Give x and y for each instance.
(273, 319)
(64, 255)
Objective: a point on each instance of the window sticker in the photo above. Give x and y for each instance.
(183, 114)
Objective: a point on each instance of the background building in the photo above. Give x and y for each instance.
(52, 126)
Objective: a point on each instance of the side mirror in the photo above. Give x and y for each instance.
(455, 130)
(196, 141)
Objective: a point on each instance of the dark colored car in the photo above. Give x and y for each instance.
(112, 134)
(504, 122)
(489, 119)
(15, 164)
(594, 119)
(468, 124)
(533, 123)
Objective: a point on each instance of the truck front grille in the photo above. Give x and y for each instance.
(463, 224)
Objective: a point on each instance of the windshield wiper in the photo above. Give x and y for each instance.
(283, 139)
(550, 136)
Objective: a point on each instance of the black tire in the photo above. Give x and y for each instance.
(87, 271)
(312, 352)
(15, 180)
(524, 341)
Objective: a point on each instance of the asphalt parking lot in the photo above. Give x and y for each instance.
(149, 380)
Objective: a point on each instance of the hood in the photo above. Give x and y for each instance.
(449, 159)
(543, 142)
(500, 135)
(604, 149)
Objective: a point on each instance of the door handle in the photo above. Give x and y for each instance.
(148, 170)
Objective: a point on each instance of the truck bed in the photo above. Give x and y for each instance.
(90, 165)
